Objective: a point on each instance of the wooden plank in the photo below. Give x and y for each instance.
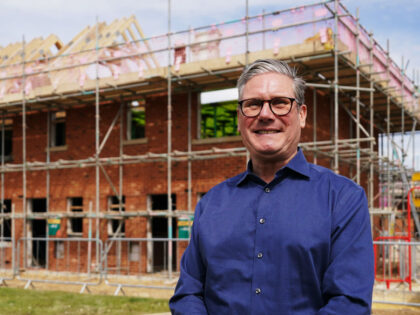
(81, 43)
(112, 29)
(67, 48)
(31, 48)
(137, 44)
(44, 49)
(9, 51)
(146, 43)
(17, 56)
(130, 31)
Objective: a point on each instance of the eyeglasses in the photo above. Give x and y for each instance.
(279, 106)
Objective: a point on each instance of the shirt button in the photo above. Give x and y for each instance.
(262, 220)
(259, 255)
(257, 291)
(267, 190)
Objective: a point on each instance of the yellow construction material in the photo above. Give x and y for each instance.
(415, 179)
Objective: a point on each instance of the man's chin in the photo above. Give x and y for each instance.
(269, 149)
(269, 153)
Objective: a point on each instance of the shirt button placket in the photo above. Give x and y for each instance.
(259, 255)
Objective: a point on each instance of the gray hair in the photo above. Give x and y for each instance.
(261, 66)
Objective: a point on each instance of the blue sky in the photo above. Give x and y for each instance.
(398, 21)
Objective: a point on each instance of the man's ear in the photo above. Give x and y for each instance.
(302, 115)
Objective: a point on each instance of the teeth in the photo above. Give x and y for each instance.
(267, 131)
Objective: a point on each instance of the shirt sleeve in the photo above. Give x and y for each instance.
(189, 292)
(348, 281)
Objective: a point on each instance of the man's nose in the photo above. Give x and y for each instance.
(266, 112)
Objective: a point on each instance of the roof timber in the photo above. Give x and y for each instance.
(127, 60)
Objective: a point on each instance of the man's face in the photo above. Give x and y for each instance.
(267, 136)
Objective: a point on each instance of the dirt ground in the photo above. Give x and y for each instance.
(398, 293)
(394, 310)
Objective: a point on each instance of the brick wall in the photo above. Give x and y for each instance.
(139, 180)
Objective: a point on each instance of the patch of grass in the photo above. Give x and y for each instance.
(26, 302)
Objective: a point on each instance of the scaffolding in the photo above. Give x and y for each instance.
(118, 63)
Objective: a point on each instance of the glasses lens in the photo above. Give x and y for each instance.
(251, 107)
(281, 105)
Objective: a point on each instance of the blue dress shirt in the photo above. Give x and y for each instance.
(300, 244)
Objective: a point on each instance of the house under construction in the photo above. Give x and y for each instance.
(113, 136)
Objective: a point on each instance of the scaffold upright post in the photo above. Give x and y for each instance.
(336, 108)
(189, 152)
(372, 126)
(47, 178)
(97, 143)
(246, 33)
(169, 162)
(357, 98)
(24, 207)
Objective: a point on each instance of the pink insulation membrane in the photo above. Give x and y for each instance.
(223, 40)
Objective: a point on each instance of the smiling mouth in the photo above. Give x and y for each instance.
(266, 131)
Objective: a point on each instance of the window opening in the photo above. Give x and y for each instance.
(218, 114)
(75, 205)
(6, 224)
(136, 120)
(160, 201)
(8, 139)
(58, 129)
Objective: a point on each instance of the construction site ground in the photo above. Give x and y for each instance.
(397, 293)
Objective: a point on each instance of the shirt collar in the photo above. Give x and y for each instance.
(297, 164)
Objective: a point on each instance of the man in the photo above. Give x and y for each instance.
(286, 236)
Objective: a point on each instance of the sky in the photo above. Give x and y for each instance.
(396, 21)
(408, 147)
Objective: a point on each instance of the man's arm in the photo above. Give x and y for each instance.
(188, 297)
(348, 281)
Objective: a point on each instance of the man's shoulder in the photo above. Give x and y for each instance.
(228, 183)
(219, 193)
(344, 194)
(223, 187)
(323, 174)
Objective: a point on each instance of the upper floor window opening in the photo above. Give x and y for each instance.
(58, 129)
(6, 139)
(136, 120)
(218, 114)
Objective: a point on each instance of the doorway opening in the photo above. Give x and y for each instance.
(39, 233)
(159, 227)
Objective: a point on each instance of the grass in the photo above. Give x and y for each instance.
(26, 302)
